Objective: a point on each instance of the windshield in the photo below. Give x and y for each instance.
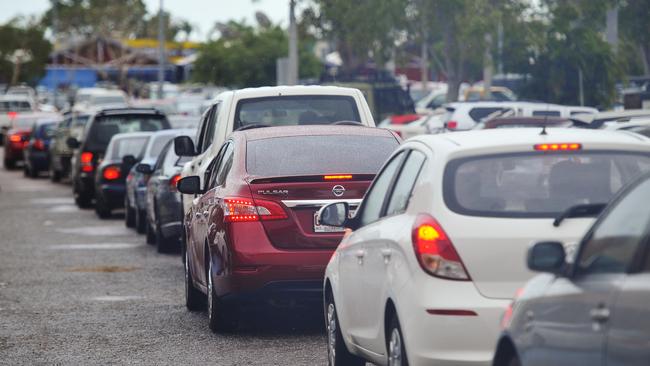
(538, 185)
(106, 127)
(128, 146)
(296, 110)
(310, 155)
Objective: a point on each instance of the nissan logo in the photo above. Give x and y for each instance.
(338, 190)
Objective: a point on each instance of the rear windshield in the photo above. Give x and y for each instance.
(537, 184)
(296, 110)
(47, 130)
(106, 127)
(158, 144)
(128, 146)
(312, 155)
(15, 106)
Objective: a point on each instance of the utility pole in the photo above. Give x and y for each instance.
(161, 51)
(292, 76)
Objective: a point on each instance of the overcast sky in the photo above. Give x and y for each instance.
(201, 13)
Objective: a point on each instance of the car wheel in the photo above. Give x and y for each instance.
(83, 200)
(151, 235)
(101, 207)
(33, 173)
(55, 175)
(163, 243)
(337, 351)
(194, 299)
(129, 214)
(514, 361)
(395, 346)
(25, 171)
(221, 318)
(140, 221)
(9, 164)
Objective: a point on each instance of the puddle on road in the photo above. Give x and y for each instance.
(97, 231)
(116, 298)
(102, 269)
(95, 246)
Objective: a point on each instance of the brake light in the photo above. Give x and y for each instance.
(111, 173)
(39, 144)
(404, 119)
(507, 315)
(15, 138)
(12, 114)
(435, 251)
(247, 210)
(338, 177)
(86, 161)
(564, 146)
(452, 125)
(173, 181)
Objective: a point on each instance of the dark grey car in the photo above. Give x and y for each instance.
(164, 206)
(592, 310)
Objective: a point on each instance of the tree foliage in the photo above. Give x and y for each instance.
(15, 36)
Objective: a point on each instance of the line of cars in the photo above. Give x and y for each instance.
(287, 196)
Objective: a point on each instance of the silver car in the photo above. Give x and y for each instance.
(594, 309)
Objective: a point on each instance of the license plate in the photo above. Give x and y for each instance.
(318, 228)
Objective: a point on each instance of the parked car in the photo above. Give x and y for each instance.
(60, 153)
(428, 269)
(10, 107)
(136, 181)
(592, 310)
(164, 206)
(123, 152)
(254, 236)
(100, 98)
(101, 127)
(271, 106)
(17, 136)
(600, 119)
(36, 152)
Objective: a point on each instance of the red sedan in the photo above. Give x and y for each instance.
(253, 235)
(17, 137)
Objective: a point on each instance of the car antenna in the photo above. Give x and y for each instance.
(544, 133)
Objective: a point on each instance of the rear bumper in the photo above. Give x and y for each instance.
(281, 294)
(13, 152)
(39, 160)
(113, 194)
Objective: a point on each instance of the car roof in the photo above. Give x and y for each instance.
(313, 130)
(283, 90)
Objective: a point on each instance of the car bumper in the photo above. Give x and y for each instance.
(113, 194)
(13, 152)
(39, 160)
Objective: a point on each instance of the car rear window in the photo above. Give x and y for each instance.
(296, 110)
(158, 144)
(106, 127)
(312, 155)
(128, 146)
(47, 130)
(537, 184)
(15, 106)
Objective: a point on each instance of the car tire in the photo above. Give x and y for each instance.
(55, 176)
(129, 214)
(101, 208)
(25, 171)
(140, 221)
(395, 349)
(337, 351)
(221, 318)
(83, 200)
(163, 243)
(33, 173)
(514, 361)
(151, 234)
(194, 299)
(9, 164)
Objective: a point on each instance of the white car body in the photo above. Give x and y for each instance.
(375, 274)
(465, 115)
(225, 105)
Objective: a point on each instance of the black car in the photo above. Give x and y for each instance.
(101, 127)
(36, 152)
(122, 153)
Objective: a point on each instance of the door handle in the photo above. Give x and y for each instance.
(386, 253)
(206, 214)
(600, 314)
(197, 215)
(360, 253)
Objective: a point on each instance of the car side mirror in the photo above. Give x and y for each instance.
(547, 256)
(184, 146)
(144, 169)
(129, 160)
(72, 143)
(334, 214)
(189, 185)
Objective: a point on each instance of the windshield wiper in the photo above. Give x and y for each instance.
(583, 210)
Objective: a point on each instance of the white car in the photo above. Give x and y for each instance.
(435, 252)
(267, 106)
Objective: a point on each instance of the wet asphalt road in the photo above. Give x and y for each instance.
(76, 290)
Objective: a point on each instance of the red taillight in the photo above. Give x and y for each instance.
(86, 161)
(507, 315)
(12, 115)
(563, 146)
(15, 138)
(452, 125)
(338, 177)
(246, 210)
(111, 173)
(173, 181)
(404, 119)
(435, 251)
(39, 144)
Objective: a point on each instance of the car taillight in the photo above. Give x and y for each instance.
(12, 115)
(435, 251)
(507, 315)
(39, 144)
(173, 181)
(111, 172)
(563, 146)
(452, 125)
(15, 138)
(246, 210)
(86, 161)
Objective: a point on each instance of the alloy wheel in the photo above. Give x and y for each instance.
(395, 348)
(331, 333)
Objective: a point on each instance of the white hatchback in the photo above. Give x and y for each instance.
(436, 250)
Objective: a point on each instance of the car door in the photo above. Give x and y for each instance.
(354, 266)
(570, 322)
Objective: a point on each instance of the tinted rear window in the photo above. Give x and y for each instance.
(128, 146)
(106, 127)
(47, 130)
(311, 155)
(537, 184)
(15, 106)
(296, 110)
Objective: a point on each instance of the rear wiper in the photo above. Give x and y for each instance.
(583, 210)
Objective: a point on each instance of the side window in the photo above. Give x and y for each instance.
(210, 127)
(612, 245)
(543, 113)
(478, 114)
(213, 170)
(162, 157)
(201, 132)
(374, 200)
(226, 165)
(404, 185)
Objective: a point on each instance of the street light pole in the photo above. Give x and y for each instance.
(161, 51)
(293, 45)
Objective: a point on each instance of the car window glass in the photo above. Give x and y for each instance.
(224, 167)
(477, 114)
(547, 113)
(405, 182)
(374, 200)
(211, 126)
(163, 157)
(213, 169)
(200, 132)
(613, 243)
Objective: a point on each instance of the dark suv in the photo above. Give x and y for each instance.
(101, 127)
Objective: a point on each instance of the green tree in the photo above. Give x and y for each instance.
(635, 27)
(15, 36)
